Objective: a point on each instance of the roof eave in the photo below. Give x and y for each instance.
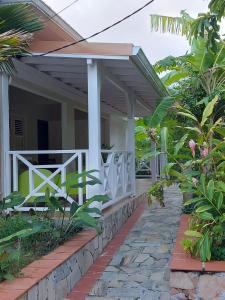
(44, 8)
(143, 64)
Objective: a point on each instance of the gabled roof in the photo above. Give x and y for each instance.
(125, 65)
(56, 29)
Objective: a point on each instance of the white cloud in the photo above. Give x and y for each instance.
(89, 16)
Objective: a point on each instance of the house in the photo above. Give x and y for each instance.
(72, 110)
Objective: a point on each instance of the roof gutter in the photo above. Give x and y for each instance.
(142, 63)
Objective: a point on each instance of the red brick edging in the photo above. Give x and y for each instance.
(181, 261)
(87, 282)
(39, 269)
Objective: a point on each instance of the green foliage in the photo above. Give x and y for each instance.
(196, 127)
(199, 175)
(206, 26)
(156, 190)
(24, 237)
(160, 112)
(17, 23)
(175, 25)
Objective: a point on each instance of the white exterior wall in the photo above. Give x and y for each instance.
(31, 108)
(118, 133)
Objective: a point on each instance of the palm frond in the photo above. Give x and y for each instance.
(174, 25)
(19, 17)
(217, 7)
(17, 23)
(11, 44)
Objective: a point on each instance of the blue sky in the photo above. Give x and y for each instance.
(89, 16)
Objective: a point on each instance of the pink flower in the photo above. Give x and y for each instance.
(204, 150)
(192, 146)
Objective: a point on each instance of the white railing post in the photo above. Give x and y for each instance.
(154, 163)
(163, 155)
(15, 173)
(5, 174)
(80, 169)
(94, 124)
(131, 138)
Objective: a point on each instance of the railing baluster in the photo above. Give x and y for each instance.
(31, 181)
(80, 180)
(63, 180)
(115, 173)
(15, 173)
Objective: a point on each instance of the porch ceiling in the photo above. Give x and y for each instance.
(123, 73)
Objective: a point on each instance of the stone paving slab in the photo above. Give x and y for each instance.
(139, 270)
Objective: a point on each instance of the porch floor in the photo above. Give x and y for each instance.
(134, 265)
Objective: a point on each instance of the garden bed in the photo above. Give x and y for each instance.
(192, 279)
(54, 275)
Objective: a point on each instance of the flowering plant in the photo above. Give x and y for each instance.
(203, 176)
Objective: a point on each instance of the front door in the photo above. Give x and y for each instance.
(43, 140)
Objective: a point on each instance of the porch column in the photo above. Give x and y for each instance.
(94, 124)
(68, 127)
(131, 138)
(153, 162)
(4, 137)
(163, 155)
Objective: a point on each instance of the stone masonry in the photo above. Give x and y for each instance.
(197, 286)
(60, 281)
(139, 270)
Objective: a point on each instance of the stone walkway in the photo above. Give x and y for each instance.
(139, 270)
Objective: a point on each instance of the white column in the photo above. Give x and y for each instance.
(163, 155)
(131, 137)
(153, 162)
(68, 127)
(4, 136)
(94, 124)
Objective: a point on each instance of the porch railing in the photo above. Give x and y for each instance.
(117, 175)
(52, 175)
(144, 167)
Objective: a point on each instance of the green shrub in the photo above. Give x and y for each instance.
(27, 236)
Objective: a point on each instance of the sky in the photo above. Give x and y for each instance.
(89, 16)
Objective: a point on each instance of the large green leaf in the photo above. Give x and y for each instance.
(210, 189)
(174, 76)
(180, 144)
(193, 233)
(160, 112)
(209, 110)
(167, 64)
(188, 115)
(219, 200)
(203, 208)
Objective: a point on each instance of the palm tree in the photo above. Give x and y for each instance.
(206, 25)
(17, 23)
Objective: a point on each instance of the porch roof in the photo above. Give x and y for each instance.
(125, 69)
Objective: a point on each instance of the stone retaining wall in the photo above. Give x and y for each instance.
(197, 286)
(53, 276)
(190, 279)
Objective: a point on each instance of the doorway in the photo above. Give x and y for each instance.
(43, 140)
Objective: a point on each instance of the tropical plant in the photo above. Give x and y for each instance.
(205, 26)
(17, 23)
(201, 172)
(25, 237)
(79, 215)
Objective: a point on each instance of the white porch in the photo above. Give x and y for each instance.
(110, 90)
